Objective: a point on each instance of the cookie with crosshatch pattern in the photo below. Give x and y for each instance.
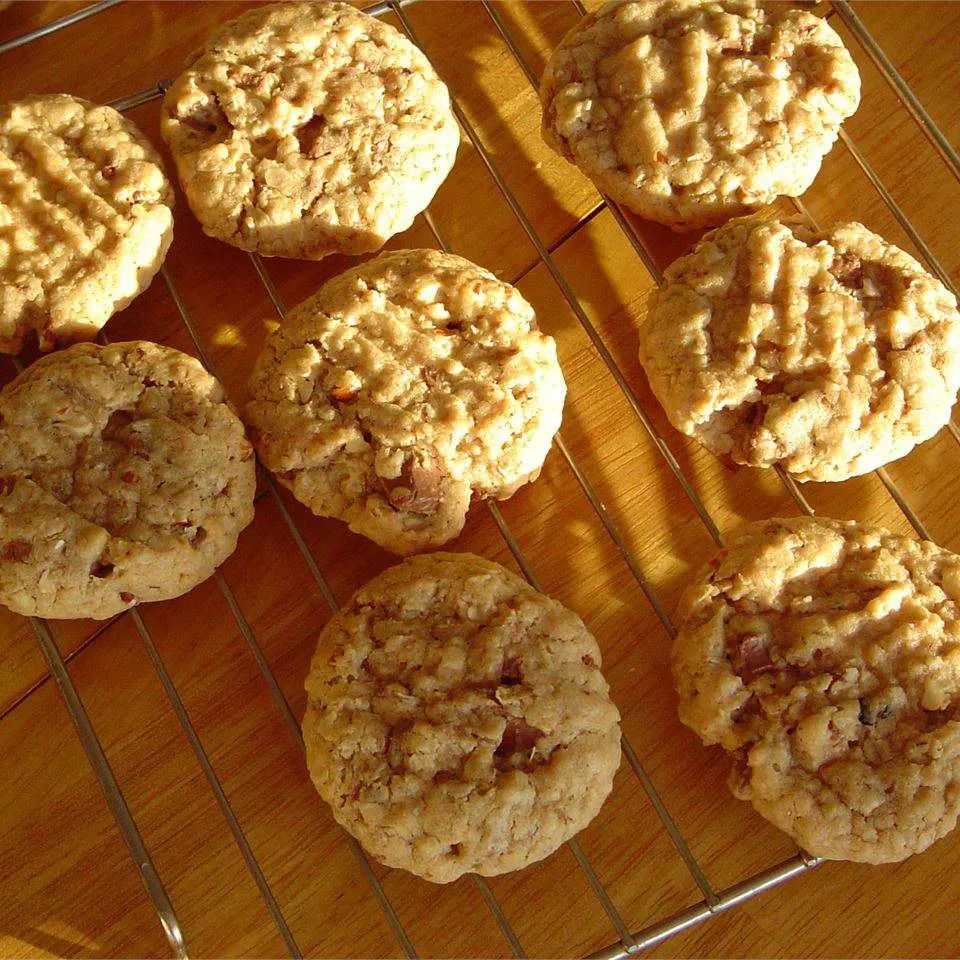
(692, 111)
(85, 218)
(825, 657)
(402, 389)
(457, 719)
(124, 477)
(305, 129)
(829, 353)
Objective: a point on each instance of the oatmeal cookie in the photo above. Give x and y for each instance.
(402, 388)
(457, 720)
(124, 476)
(690, 112)
(305, 129)
(828, 353)
(85, 218)
(826, 657)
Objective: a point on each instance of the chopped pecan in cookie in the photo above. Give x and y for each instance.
(417, 489)
(308, 134)
(519, 737)
(751, 656)
(16, 551)
(206, 117)
(510, 672)
(848, 269)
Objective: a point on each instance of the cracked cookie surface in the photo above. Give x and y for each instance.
(400, 390)
(828, 353)
(457, 720)
(825, 656)
(85, 218)
(124, 477)
(690, 112)
(305, 129)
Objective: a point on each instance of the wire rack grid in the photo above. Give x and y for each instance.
(627, 942)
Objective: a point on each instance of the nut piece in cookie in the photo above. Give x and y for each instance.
(825, 658)
(457, 720)
(86, 218)
(828, 354)
(124, 477)
(305, 129)
(403, 388)
(689, 113)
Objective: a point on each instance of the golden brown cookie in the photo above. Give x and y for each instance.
(689, 112)
(458, 721)
(403, 388)
(828, 353)
(124, 477)
(825, 657)
(85, 218)
(304, 129)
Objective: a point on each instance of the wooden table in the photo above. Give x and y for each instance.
(70, 886)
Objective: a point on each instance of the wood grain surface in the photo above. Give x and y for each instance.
(69, 885)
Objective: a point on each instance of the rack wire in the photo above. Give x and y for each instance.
(628, 942)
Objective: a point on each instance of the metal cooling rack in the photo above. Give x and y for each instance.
(627, 942)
